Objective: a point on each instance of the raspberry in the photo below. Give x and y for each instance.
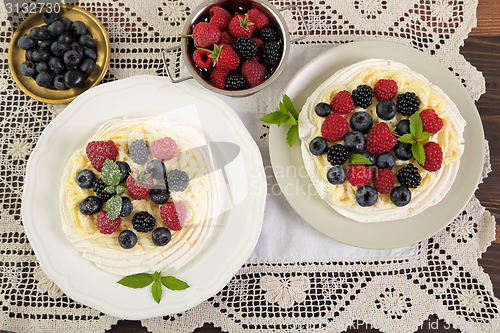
(225, 38)
(139, 151)
(253, 72)
(201, 58)
(241, 26)
(226, 57)
(105, 225)
(408, 103)
(409, 176)
(385, 89)
(383, 180)
(246, 47)
(205, 34)
(99, 151)
(431, 121)
(257, 18)
(164, 149)
(334, 128)
(218, 77)
(219, 17)
(337, 154)
(380, 139)
(358, 174)
(235, 82)
(433, 156)
(139, 184)
(271, 53)
(362, 96)
(174, 215)
(342, 103)
(143, 222)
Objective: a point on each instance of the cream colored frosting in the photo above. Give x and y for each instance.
(200, 198)
(434, 185)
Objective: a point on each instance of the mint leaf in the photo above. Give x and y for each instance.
(120, 190)
(276, 117)
(416, 126)
(291, 120)
(114, 206)
(110, 189)
(418, 152)
(173, 283)
(407, 138)
(110, 173)
(139, 280)
(424, 136)
(290, 107)
(359, 159)
(292, 134)
(156, 291)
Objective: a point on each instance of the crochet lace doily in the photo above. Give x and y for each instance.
(442, 278)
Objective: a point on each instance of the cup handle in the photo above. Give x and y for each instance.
(303, 21)
(174, 80)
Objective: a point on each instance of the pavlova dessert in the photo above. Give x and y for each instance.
(380, 142)
(139, 197)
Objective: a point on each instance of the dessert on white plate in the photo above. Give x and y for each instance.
(380, 142)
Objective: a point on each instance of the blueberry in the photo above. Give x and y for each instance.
(157, 169)
(44, 79)
(90, 205)
(127, 207)
(161, 236)
(87, 41)
(403, 127)
(66, 37)
(38, 33)
(85, 178)
(159, 194)
(72, 59)
(29, 54)
(56, 28)
(78, 28)
(400, 196)
(318, 146)
(49, 16)
(67, 23)
(355, 141)
(124, 170)
(28, 68)
(58, 82)
(336, 175)
(40, 55)
(58, 48)
(369, 156)
(361, 121)
(403, 151)
(26, 42)
(74, 78)
(46, 44)
(90, 53)
(385, 161)
(42, 66)
(127, 239)
(87, 66)
(386, 109)
(323, 109)
(366, 196)
(77, 47)
(56, 65)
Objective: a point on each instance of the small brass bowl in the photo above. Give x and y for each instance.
(54, 96)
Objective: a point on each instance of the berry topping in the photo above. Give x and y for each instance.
(386, 109)
(433, 156)
(400, 196)
(336, 175)
(366, 196)
(342, 103)
(161, 236)
(337, 154)
(408, 103)
(409, 176)
(403, 127)
(177, 180)
(257, 18)
(143, 222)
(358, 174)
(383, 180)
(98, 151)
(99, 189)
(318, 146)
(271, 53)
(164, 149)
(205, 34)
(334, 128)
(402, 151)
(139, 184)
(219, 17)
(355, 141)
(157, 169)
(127, 239)
(380, 139)
(139, 151)
(246, 47)
(385, 161)
(225, 38)
(127, 207)
(218, 77)
(174, 215)
(159, 194)
(90, 205)
(361, 121)
(85, 178)
(385, 89)
(201, 58)
(254, 72)
(235, 82)
(323, 109)
(225, 57)
(241, 26)
(362, 96)
(268, 35)
(430, 121)
(105, 224)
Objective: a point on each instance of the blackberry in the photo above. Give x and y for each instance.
(268, 35)
(99, 189)
(235, 82)
(337, 154)
(407, 103)
(246, 47)
(362, 96)
(409, 176)
(271, 53)
(143, 222)
(176, 180)
(139, 151)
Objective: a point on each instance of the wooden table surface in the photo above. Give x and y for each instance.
(482, 50)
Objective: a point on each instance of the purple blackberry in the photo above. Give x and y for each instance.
(337, 154)
(362, 96)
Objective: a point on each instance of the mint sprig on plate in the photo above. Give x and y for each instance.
(110, 175)
(285, 115)
(416, 137)
(142, 280)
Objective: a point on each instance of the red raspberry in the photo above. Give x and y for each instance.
(253, 72)
(225, 38)
(218, 77)
(433, 156)
(174, 215)
(241, 26)
(139, 184)
(380, 139)
(164, 149)
(205, 34)
(385, 89)
(335, 127)
(358, 174)
(105, 224)
(431, 121)
(227, 58)
(260, 43)
(219, 17)
(258, 18)
(383, 180)
(99, 151)
(342, 102)
(201, 58)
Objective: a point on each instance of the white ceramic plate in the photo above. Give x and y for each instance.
(234, 236)
(380, 235)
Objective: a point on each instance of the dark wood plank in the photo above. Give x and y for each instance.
(488, 19)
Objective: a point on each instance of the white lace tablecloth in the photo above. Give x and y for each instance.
(279, 289)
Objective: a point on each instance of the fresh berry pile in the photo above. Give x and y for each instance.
(365, 152)
(60, 54)
(235, 49)
(113, 187)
